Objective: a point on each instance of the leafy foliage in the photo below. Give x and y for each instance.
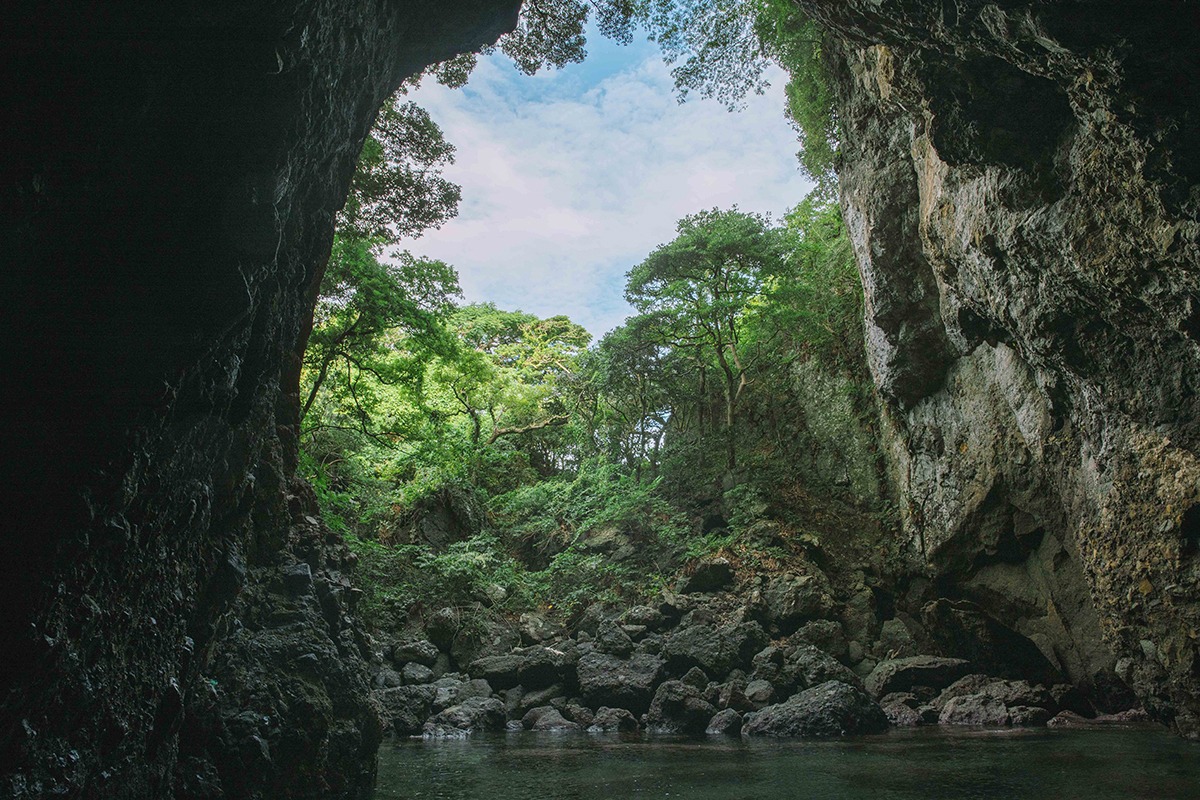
(587, 468)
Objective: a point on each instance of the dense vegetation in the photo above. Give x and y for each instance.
(476, 454)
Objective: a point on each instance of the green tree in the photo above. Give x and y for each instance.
(510, 378)
(366, 310)
(367, 303)
(698, 289)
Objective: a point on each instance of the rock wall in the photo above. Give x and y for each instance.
(1021, 183)
(173, 622)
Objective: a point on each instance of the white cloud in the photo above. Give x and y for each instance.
(565, 187)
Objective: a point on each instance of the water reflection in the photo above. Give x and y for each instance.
(903, 765)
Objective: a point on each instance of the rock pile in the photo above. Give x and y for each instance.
(778, 662)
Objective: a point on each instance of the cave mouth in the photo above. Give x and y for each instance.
(190, 617)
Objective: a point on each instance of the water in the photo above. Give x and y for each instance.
(927, 764)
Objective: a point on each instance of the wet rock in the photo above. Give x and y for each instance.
(547, 718)
(1028, 716)
(974, 709)
(405, 708)
(829, 709)
(474, 715)
(901, 715)
(901, 675)
(1010, 693)
(606, 680)
(726, 722)
(1069, 719)
(613, 720)
(678, 708)
(555, 722)
(575, 711)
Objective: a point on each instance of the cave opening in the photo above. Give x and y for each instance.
(239, 563)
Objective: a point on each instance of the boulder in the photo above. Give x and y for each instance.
(405, 708)
(982, 700)
(902, 674)
(606, 680)
(792, 599)
(547, 718)
(759, 694)
(576, 712)
(825, 635)
(1028, 716)
(471, 716)
(612, 638)
(442, 626)
(532, 667)
(678, 708)
(895, 641)
(726, 722)
(901, 715)
(1010, 693)
(696, 678)
(795, 668)
(420, 651)
(832, 708)
(716, 650)
(555, 722)
(540, 697)
(733, 695)
(645, 616)
(974, 709)
(613, 720)
(415, 673)
(387, 678)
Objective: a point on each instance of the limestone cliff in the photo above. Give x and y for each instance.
(1021, 183)
(170, 177)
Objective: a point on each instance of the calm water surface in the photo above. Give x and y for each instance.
(913, 765)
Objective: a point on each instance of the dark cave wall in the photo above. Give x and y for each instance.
(1020, 180)
(169, 178)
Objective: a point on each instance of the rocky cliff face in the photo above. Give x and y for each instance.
(174, 620)
(1022, 182)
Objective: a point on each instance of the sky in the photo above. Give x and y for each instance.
(570, 177)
